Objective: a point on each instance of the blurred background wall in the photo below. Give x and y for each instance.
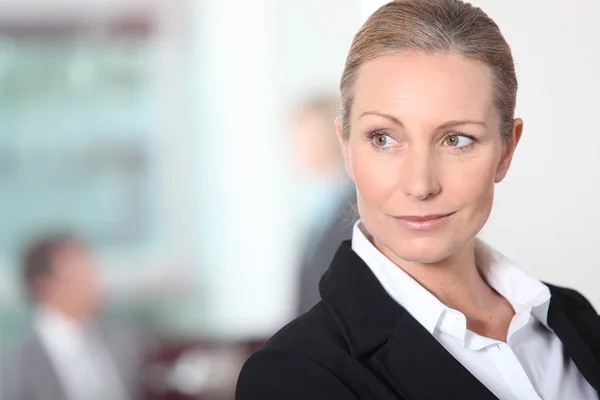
(159, 132)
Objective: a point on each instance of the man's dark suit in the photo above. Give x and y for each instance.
(28, 373)
(358, 343)
(322, 249)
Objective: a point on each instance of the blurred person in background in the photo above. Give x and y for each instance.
(70, 355)
(327, 197)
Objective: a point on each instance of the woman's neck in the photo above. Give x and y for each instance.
(458, 283)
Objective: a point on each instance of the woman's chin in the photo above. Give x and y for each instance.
(423, 250)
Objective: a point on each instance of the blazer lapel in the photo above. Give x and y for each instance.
(393, 343)
(575, 346)
(418, 367)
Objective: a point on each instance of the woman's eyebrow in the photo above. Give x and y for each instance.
(460, 122)
(445, 125)
(384, 115)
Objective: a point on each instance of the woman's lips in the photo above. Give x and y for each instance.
(423, 223)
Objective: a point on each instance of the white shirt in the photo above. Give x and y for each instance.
(83, 365)
(531, 365)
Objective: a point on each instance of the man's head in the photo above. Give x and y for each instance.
(58, 272)
(315, 145)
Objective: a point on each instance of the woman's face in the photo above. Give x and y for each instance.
(425, 151)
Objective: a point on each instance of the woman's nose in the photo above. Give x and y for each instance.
(419, 177)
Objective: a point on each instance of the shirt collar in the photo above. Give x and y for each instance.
(58, 331)
(523, 292)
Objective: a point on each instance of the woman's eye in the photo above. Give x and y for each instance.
(457, 141)
(382, 140)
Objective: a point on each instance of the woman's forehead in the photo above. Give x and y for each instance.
(422, 84)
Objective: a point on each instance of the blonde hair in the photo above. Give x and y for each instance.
(434, 26)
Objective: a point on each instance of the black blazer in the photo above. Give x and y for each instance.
(358, 343)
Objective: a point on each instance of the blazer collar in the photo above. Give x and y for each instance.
(362, 309)
(388, 338)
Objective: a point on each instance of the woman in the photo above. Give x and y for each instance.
(415, 306)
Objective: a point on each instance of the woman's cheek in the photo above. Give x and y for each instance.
(375, 175)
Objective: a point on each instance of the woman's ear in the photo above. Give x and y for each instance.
(509, 150)
(344, 144)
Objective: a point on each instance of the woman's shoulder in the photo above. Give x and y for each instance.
(569, 299)
(308, 334)
(297, 361)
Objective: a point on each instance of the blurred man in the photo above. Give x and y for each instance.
(327, 197)
(68, 356)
